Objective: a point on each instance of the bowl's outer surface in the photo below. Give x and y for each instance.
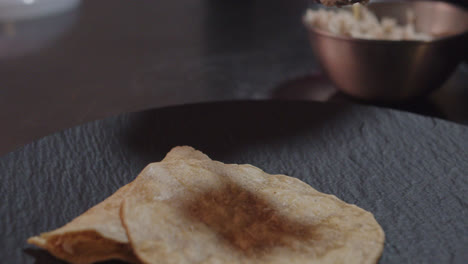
(396, 70)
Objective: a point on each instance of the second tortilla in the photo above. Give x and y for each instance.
(195, 210)
(98, 234)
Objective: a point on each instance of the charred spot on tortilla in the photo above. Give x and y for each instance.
(245, 221)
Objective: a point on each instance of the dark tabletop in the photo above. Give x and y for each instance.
(113, 56)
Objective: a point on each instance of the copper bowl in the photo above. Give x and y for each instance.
(384, 70)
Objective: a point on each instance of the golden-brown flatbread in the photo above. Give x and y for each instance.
(98, 234)
(190, 209)
(195, 210)
(94, 236)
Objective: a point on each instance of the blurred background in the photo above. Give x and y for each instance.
(67, 62)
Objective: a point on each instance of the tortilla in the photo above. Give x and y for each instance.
(98, 234)
(94, 236)
(191, 209)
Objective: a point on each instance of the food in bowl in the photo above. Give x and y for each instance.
(388, 71)
(364, 24)
(341, 2)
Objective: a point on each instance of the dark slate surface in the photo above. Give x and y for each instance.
(410, 171)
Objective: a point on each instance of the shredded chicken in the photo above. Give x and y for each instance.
(364, 24)
(341, 2)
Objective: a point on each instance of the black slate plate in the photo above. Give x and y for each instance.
(410, 171)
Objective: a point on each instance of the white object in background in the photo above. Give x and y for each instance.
(21, 35)
(13, 10)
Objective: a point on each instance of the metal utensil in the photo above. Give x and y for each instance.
(383, 70)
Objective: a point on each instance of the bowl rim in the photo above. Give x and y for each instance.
(328, 34)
